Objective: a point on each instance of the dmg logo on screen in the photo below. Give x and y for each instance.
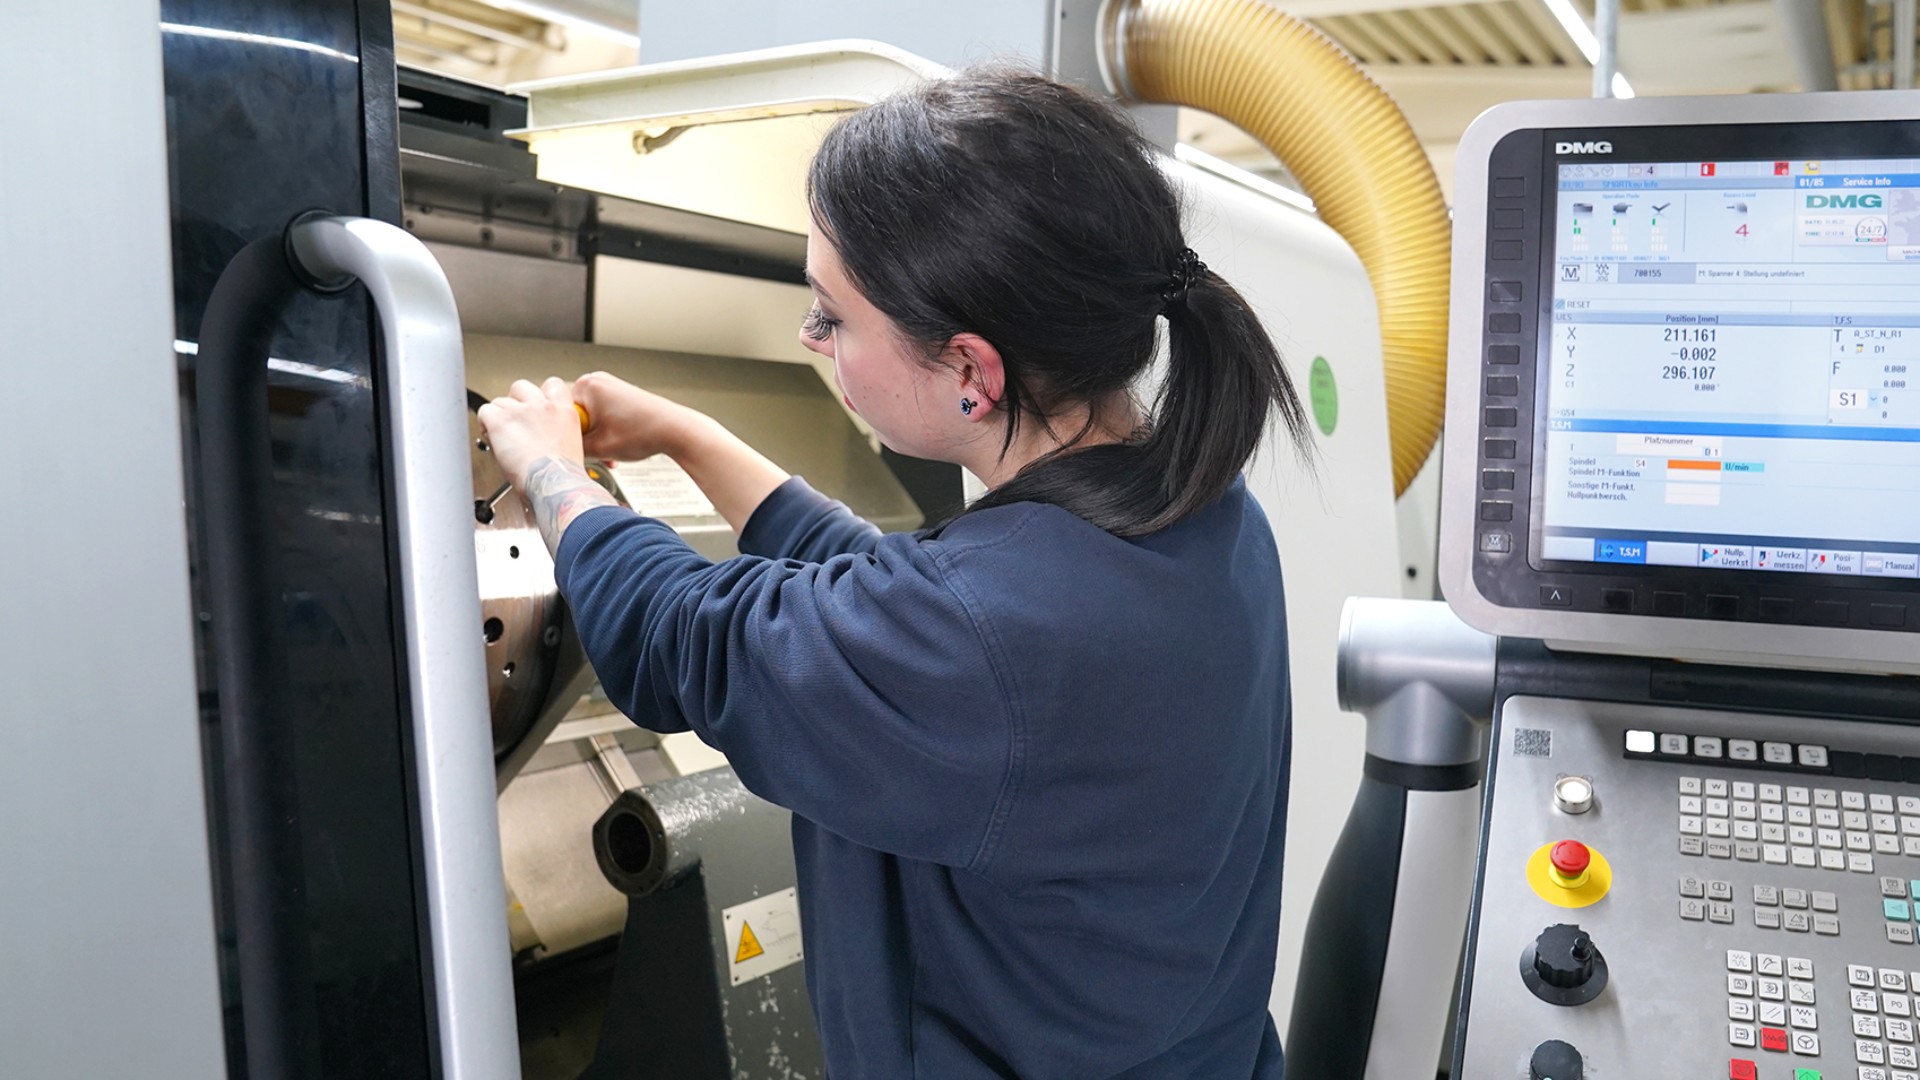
(1844, 202)
(1583, 147)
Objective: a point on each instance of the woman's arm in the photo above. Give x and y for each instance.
(631, 424)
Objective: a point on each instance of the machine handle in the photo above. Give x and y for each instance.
(423, 380)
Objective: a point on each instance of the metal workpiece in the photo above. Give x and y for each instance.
(425, 395)
(536, 666)
(1421, 677)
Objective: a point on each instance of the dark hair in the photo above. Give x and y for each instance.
(1004, 204)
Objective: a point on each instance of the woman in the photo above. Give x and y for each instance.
(1036, 757)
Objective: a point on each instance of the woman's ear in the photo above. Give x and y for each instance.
(983, 378)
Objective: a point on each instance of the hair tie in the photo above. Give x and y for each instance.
(1187, 271)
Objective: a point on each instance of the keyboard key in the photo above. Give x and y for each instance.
(1861, 975)
(1827, 925)
(1770, 989)
(1798, 968)
(1826, 797)
(1766, 918)
(1798, 796)
(1806, 1043)
(1717, 788)
(1742, 1035)
(1803, 1016)
(1892, 980)
(1793, 898)
(1764, 895)
(1861, 1000)
(1824, 901)
(1769, 965)
(1741, 1009)
(1800, 993)
(1853, 800)
(1900, 933)
(1690, 785)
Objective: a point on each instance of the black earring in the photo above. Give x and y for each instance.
(967, 406)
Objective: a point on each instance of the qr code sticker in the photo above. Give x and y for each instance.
(1532, 742)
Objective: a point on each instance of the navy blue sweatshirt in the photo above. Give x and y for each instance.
(1037, 772)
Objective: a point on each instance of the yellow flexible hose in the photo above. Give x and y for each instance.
(1343, 138)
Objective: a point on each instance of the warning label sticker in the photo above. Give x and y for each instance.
(763, 935)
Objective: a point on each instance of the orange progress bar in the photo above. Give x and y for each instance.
(1693, 463)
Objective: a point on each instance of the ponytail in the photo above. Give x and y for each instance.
(1004, 204)
(1224, 382)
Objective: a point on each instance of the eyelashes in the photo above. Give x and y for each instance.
(817, 326)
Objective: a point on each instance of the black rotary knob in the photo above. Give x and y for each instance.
(1563, 966)
(1555, 1060)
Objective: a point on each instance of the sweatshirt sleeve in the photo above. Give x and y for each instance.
(797, 522)
(858, 692)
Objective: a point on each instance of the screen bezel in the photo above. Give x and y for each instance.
(1892, 139)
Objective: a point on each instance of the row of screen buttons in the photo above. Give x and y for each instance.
(1719, 606)
(1775, 756)
(1506, 244)
(1714, 748)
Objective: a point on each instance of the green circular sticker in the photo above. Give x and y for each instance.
(1324, 395)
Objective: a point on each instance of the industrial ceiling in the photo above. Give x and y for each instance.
(1443, 62)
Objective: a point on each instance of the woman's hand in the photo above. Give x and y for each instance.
(631, 424)
(535, 435)
(530, 423)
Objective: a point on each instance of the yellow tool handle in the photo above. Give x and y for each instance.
(586, 418)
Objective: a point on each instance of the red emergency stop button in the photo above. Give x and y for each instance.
(1570, 858)
(1741, 1070)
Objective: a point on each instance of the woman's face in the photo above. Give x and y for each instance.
(879, 375)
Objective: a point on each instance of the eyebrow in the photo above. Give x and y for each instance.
(814, 284)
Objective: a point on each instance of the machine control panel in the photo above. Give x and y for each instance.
(1732, 899)
(1684, 378)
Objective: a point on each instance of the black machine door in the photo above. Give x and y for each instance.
(276, 107)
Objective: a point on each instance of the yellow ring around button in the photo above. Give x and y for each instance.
(1541, 875)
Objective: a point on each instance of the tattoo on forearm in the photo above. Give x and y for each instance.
(560, 491)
